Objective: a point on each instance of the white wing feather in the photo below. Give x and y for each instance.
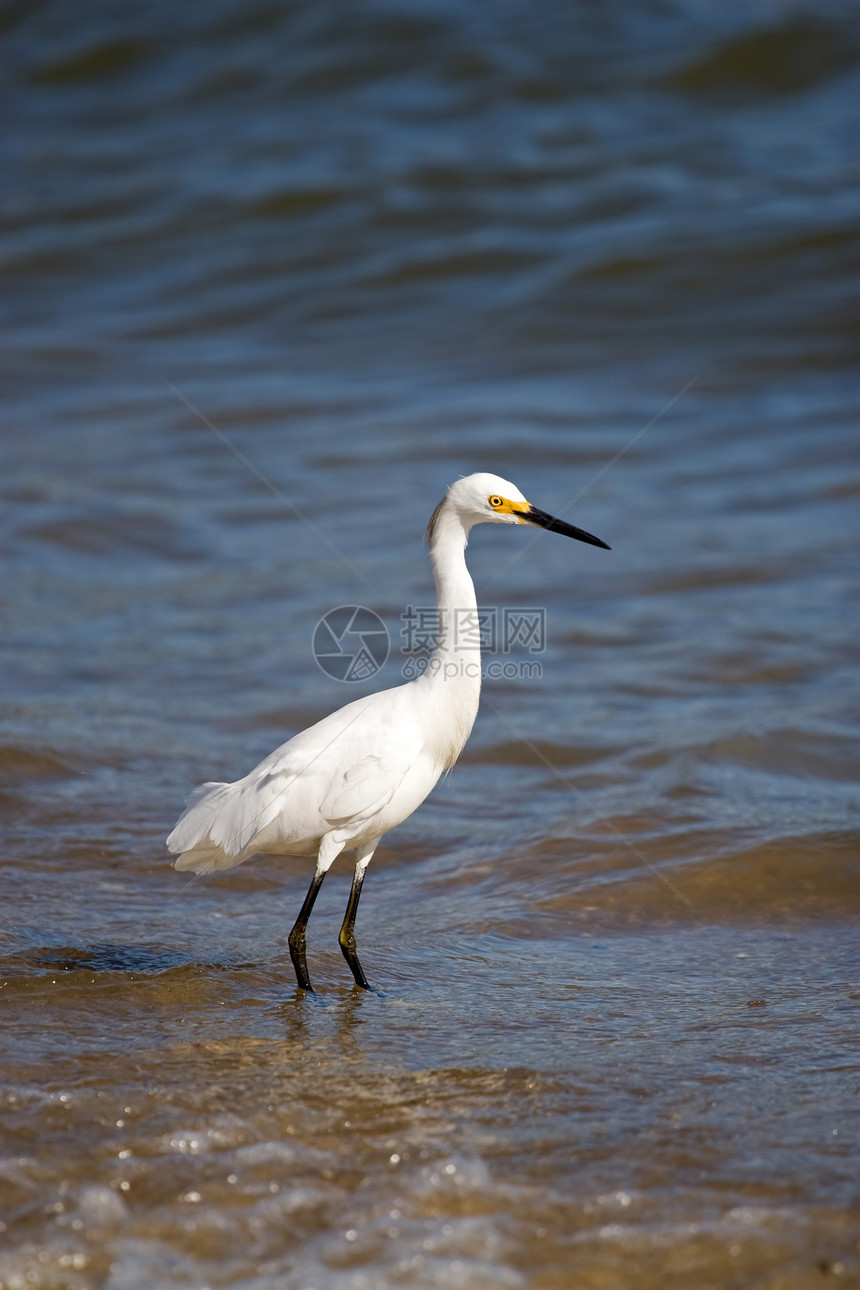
(341, 771)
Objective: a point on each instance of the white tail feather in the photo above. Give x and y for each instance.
(192, 837)
(203, 860)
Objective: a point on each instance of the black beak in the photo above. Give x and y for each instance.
(533, 516)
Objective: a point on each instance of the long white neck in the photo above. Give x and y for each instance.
(453, 677)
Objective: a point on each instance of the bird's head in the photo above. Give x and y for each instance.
(489, 499)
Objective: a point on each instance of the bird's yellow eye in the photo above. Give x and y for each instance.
(495, 501)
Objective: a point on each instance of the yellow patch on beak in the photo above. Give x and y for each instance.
(503, 506)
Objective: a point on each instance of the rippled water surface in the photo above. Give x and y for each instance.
(371, 248)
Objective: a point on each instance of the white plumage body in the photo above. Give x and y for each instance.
(344, 782)
(351, 777)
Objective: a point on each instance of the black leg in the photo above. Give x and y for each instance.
(297, 935)
(347, 931)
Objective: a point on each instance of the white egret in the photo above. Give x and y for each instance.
(344, 782)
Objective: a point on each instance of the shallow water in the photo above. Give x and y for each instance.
(615, 952)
